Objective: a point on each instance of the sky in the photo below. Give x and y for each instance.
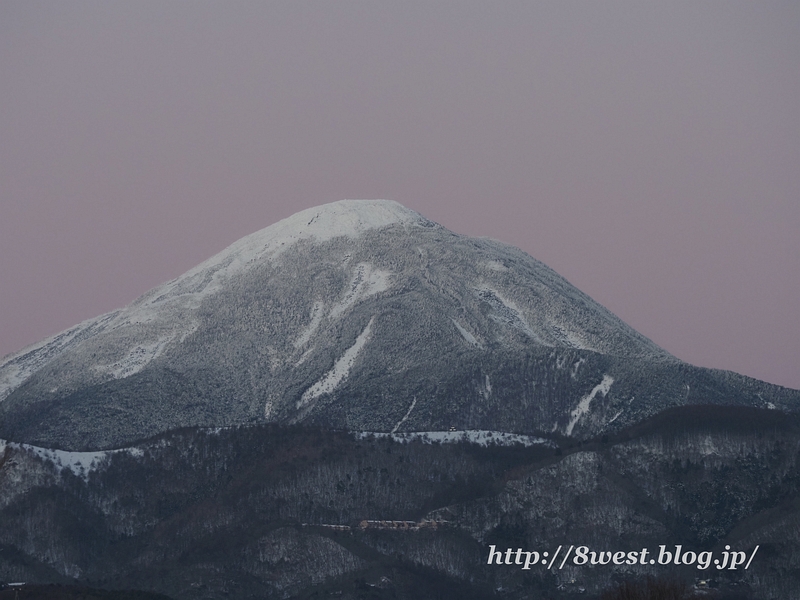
(649, 152)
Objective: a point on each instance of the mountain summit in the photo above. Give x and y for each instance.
(359, 315)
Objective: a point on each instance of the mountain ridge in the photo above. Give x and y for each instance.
(277, 511)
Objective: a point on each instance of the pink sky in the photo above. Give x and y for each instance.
(648, 152)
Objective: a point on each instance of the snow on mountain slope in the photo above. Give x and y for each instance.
(80, 463)
(367, 281)
(468, 337)
(346, 218)
(583, 406)
(339, 371)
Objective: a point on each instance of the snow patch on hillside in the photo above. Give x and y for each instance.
(311, 328)
(495, 265)
(576, 366)
(574, 341)
(473, 436)
(137, 358)
(466, 334)
(144, 352)
(405, 418)
(340, 370)
(367, 281)
(568, 338)
(583, 406)
(304, 356)
(505, 311)
(80, 463)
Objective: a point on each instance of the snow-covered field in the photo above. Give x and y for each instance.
(80, 463)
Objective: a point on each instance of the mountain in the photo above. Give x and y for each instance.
(358, 403)
(361, 316)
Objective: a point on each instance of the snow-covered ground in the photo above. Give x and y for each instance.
(583, 406)
(80, 463)
(472, 436)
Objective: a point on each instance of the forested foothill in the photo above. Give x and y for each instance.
(274, 511)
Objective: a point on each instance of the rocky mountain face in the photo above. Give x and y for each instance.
(294, 512)
(362, 316)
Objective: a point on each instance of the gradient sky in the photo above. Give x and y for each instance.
(647, 151)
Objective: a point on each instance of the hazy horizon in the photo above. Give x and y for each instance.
(647, 153)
